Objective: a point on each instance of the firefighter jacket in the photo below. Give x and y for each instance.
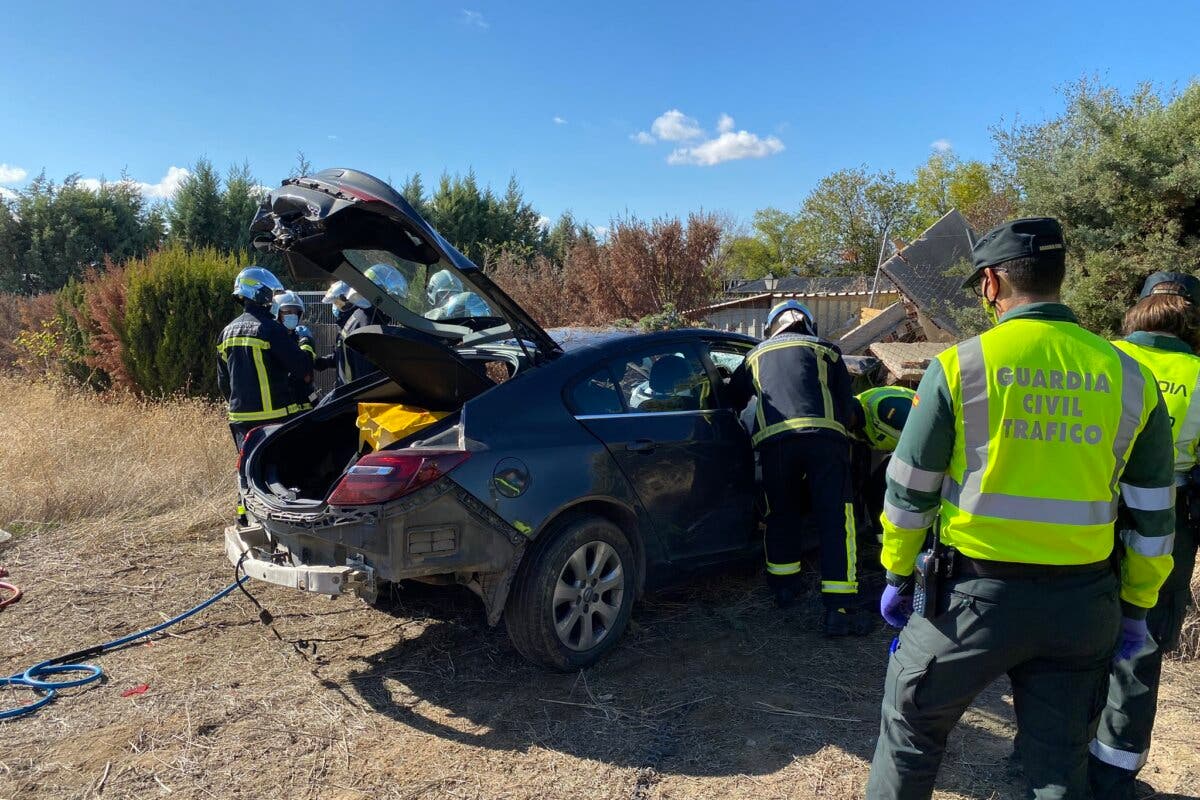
(261, 369)
(1020, 443)
(352, 365)
(802, 386)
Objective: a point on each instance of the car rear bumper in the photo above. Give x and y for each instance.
(250, 547)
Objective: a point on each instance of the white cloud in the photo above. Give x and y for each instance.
(543, 222)
(559, 121)
(641, 137)
(11, 174)
(725, 124)
(675, 126)
(941, 146)
(474, 18)
(7, 194)
(163, 190)
(331, 137)
(729, 146)
(601, 231)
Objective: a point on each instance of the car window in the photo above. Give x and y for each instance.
(433, 291)
(596, 394)
(670, 379)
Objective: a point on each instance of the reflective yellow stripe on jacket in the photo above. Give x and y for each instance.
(269, 411)
(764, 431)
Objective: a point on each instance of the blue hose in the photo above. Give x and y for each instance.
(31, 678)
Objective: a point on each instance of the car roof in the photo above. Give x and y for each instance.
(574, 340)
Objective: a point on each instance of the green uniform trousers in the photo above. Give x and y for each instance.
(1123, 739)
(1053, 637)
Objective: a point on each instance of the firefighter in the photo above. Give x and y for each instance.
(877, 417)
(351, 364)
(261, 370)
(803, 398)
(1160, 332)
(288, 308)
(1016, 444)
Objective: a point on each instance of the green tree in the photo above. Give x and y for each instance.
(751, 258)
(239, 202)
(944, 182)
(197, 214)
(1122, 173)
(50, 233)
(842, 222)
(479, 223)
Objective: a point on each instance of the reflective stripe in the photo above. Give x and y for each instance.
(1144, 499)
(766, 348)
(1149, 546)
(1189, 431)
(799, 423)
(851, 556)
(1124, 759)
(244, 341)
(909, 520)
(255, 416)
(783, 569)
(838, 587)
(969, 496)
(1031, 509)
(910, 477)
(1133, 402)
(241, 510)
(308, 348)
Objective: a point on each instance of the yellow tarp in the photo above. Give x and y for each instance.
(380, 424)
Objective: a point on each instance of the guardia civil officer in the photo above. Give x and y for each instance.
(876, 418)
(1016, 445)
(803, 393)
(261, 370)
(351, 364)
(1160, 332)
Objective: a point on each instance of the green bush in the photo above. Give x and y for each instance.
(75, 347)
(176, 304)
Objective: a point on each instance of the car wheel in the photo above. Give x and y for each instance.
(573, 595)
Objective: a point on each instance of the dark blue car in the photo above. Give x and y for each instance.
(567, 469)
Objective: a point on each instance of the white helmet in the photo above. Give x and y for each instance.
(390, 279)
(336, 289)
(284, 300)
(442, 285)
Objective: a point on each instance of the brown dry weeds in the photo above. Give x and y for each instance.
(118, 508)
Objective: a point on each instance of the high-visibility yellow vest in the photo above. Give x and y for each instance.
(1178, 376)
(1046, 414)
(881, 432)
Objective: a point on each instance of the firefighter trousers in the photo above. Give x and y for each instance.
(807, 482)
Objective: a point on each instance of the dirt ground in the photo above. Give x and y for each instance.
(713, 693)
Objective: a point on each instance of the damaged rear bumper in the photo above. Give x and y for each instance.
(249, 547)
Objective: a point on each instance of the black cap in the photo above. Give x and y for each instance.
(1032, 237)
(1189, 286)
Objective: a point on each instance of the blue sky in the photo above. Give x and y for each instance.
(768, 97)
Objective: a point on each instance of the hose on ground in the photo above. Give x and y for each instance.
(33, 678)
(14, 591)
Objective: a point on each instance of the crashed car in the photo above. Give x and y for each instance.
(555, 474)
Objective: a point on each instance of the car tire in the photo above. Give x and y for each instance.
(573, 595)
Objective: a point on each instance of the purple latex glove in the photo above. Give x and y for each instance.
(895, 607)
(1133, 636)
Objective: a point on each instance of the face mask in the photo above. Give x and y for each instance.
(291, 321)
(989, 308)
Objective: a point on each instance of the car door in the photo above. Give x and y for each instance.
(662, 424)
(737, 520)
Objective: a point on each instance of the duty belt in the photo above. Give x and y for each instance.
(967, 567)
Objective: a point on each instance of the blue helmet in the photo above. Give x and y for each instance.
(284, 300)
(257, 285)
(792, 305)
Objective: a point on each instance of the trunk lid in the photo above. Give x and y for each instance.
(431, 375)
(348, 225)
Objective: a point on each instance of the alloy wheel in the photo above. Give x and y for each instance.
(588, 596)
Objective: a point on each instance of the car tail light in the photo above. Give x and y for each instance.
(380, 477)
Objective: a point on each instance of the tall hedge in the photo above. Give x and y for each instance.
(177, 302)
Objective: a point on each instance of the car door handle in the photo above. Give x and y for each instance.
(641, 446)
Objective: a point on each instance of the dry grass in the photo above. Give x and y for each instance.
(71, 457)
(713, 693)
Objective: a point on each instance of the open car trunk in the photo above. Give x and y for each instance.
(300, 463)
